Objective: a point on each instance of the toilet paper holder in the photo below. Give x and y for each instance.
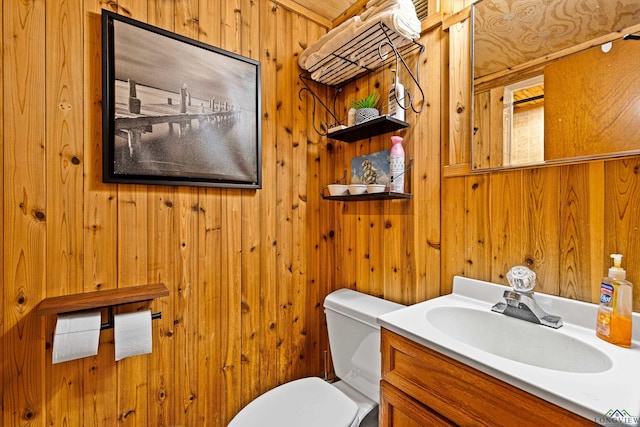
(109, 323)
(104, 299)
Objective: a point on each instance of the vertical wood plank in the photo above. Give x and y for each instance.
(497, 152)
(477, 217)
(211, 382)
(284, 180)
(460, 93)
(231, 302)
(23, 81)
(622, 217)
(426, 180)
(298, 204)
(64, 187)
(541, 225)
(596, 231)
(2, 323)
(315, 251)
(162, 269)
(268, 217)
(186, 310)
(506, 223)
(481, 149)
(454, 231)
(251, 271)
(575, 231)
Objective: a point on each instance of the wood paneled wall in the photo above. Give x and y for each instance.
(244, 312)
(248, 270)
(392, 248)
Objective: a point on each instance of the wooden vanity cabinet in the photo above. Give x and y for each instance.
(421, 387)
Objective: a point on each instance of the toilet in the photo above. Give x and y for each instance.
(354, 338)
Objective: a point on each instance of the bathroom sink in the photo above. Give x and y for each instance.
(568, 366)
(518, 340)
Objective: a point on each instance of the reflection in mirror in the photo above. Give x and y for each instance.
(524, 122)
(513, 40)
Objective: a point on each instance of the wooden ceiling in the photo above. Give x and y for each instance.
(329, 9)
(508, 33)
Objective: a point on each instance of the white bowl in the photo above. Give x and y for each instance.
(375, 188)
(357, 188)
(337, 189)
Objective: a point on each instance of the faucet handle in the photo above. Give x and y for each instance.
(521, 278)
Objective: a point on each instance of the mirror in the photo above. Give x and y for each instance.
(544, 88)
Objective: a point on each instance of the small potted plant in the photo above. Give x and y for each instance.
(366, 108)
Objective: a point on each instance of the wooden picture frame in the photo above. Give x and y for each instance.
(177, 111)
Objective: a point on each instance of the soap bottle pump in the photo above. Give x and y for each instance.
(614, 313)
(396, 99)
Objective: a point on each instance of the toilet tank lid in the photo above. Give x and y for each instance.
(358, 305)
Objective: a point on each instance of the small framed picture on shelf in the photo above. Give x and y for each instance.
(373, 168)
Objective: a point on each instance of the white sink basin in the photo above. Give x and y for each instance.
(518, 340)
(569, 366)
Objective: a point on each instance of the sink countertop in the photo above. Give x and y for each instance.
(591, 395)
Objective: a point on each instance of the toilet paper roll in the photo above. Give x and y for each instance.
(77, 335)
(132, 334)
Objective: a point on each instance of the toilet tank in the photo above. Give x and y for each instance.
(354, 338)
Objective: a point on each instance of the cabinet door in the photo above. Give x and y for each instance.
(400, 410)
(463, 394)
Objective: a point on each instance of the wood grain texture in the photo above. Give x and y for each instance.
(2, 213)
(24, 193)
(566, 226)
(64, 160)
(223, 338)
(247, 270)
(459, 393)
(460, 100)
(593, 113)
(508, 33)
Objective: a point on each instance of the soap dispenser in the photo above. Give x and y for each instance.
(614, 313)
(396, 99)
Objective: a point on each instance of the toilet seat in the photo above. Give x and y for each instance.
(309, 402)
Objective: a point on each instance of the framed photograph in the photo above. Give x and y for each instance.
(177, 111)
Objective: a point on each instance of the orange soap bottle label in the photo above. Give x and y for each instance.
(603, 326)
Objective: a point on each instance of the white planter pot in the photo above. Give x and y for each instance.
(364, 114)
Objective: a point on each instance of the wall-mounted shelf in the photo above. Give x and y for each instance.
(101, 299)
(378, 126)
(368, 51)
(371, 49)
(385, 195)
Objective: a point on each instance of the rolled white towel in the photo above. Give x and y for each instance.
(399, 15)
(329, 42)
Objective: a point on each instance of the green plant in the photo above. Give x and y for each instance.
(371, 101)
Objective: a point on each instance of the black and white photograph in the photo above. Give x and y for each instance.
(178, 112)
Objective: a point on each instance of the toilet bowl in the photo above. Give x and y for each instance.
(354, 338)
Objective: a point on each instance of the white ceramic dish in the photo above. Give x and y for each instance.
(338, 189)
(357, 188)
(375, 188)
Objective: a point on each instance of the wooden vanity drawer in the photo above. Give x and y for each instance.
(462, 394)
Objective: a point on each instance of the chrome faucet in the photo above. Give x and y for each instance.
(520, 302)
